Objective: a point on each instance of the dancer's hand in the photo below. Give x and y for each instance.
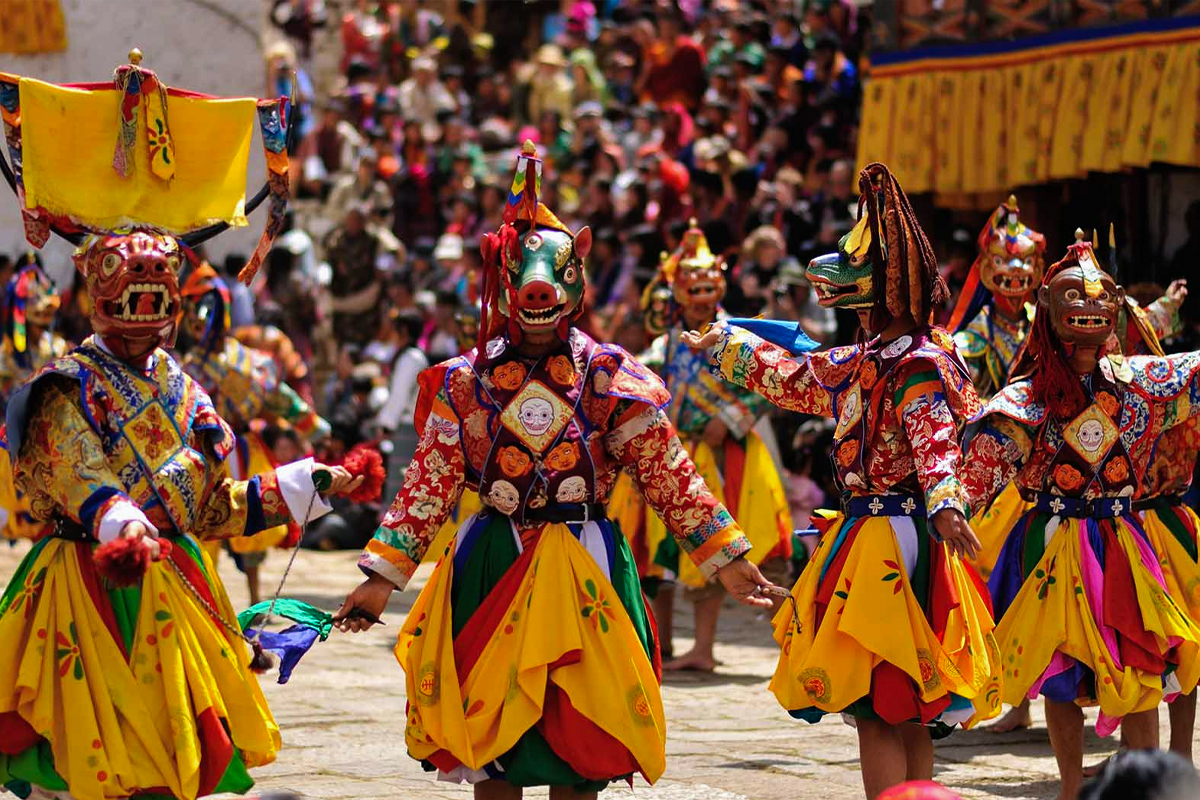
(341, 481)
(371, 596)
(136, 530)
(956, 532)
(715, 433)
(743, 580)
(702, 341)
(1177, 292)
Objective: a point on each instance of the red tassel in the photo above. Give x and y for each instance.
(366, 460)
(123, 562)
(261, 661)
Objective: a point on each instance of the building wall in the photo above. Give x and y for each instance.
(210, 46)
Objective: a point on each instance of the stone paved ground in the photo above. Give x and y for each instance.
(342, 717)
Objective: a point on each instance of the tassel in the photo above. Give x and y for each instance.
(123, 562)
(365, 460)
(261, 661)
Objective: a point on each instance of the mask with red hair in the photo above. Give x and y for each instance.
(1078, 305)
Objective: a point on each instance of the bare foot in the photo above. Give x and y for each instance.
(1096, 769)
(1018, 718)
(691, 661)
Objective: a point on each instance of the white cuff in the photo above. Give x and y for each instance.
(301, 496)
(117, 517)
(370, 562)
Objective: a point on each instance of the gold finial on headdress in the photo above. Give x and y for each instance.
(529, 148)
(1079, 234)
(1012, 201)
(693, 223)
(135, 56)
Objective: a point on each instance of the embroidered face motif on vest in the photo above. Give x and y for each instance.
(539, 453)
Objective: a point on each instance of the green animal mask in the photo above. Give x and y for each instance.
(844, 279)
(547, 280)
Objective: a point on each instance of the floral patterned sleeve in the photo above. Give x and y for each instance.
(644, 442)
(922, 409)
(1163, 316)
(995, 455)
(748, 361)
(433, 483)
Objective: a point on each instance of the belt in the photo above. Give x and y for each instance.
(1158, 501)
(883, 505)
(566, 512)
(70, 530)
(1096, 507)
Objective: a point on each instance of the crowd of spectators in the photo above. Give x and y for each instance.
(742, 114)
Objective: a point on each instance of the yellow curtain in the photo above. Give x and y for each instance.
(971, 127)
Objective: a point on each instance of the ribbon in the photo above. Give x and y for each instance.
(37, 227)
(137, 86)
(272, 121)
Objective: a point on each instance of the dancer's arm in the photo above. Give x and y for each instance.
(644, 442)
(993, 458)
(63, 468)
(747, 360)
(922, 409)
(433, 483)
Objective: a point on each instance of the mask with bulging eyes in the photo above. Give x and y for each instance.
(1082, 302)
(1011, 264)
(132, 279)
(845, 279)
(547, 278)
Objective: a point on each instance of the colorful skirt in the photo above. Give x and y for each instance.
(1086, 617)
(887, 625)
(1172, 528)
(532, 659)
(108, 693)
(750, 489)
(993, 525)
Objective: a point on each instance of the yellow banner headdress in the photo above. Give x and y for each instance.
(179, 163)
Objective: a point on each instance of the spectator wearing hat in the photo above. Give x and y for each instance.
(792, 298)
(621, 78)
(673, 64)
(282, 68)
(587, 82)
(550, 88)
(423, 95)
